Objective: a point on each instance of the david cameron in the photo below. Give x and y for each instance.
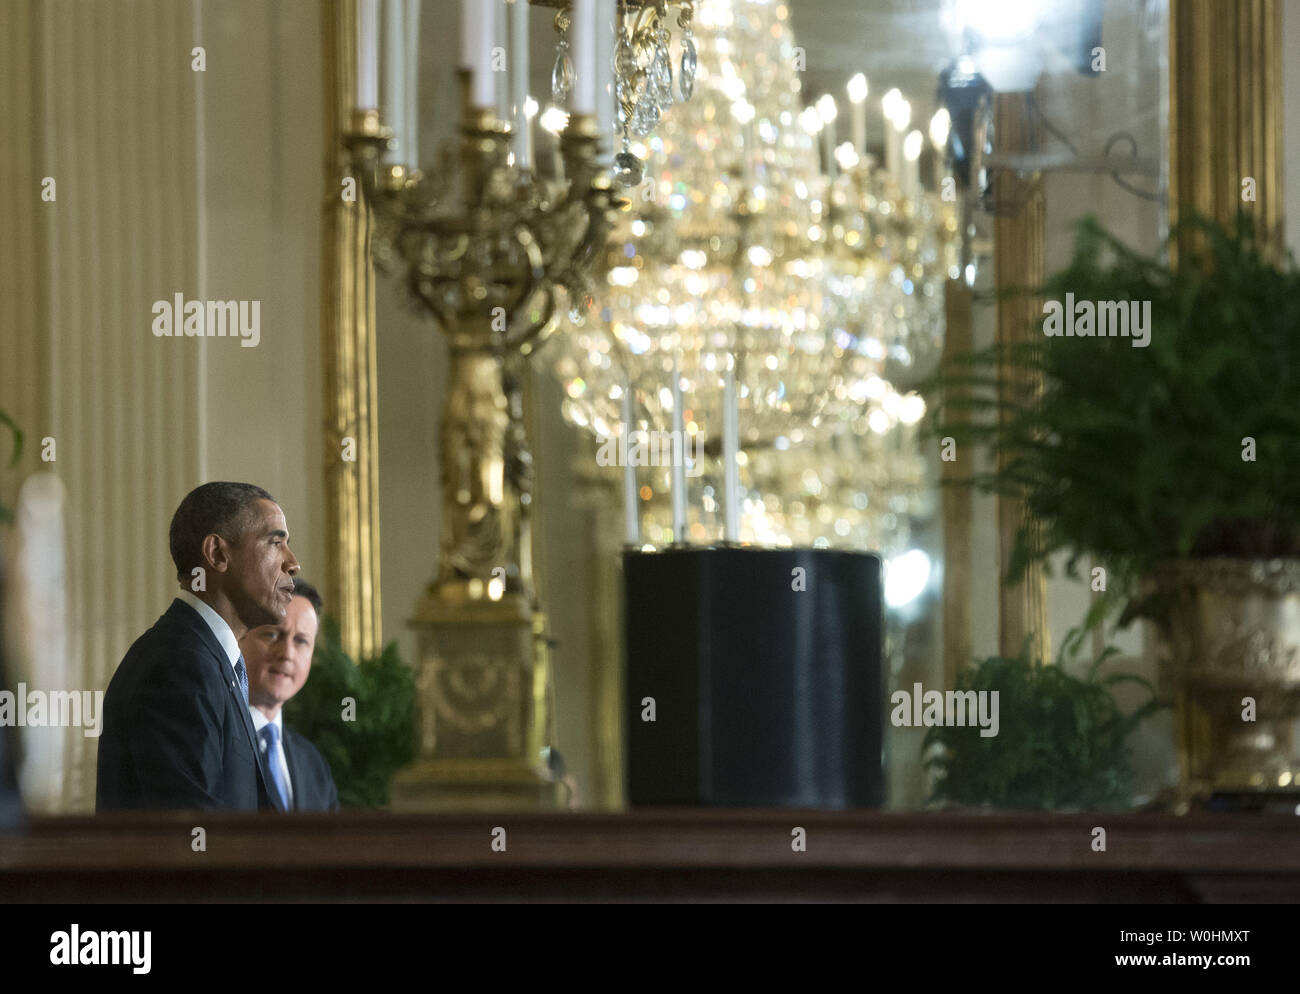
(279, 661)
(177, 732)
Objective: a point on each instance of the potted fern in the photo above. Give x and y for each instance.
(1173, 466)
(360, 716)
(1063, 744)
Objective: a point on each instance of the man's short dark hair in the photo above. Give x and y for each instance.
(220, 508)
(301, 588)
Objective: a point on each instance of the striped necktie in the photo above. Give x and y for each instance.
(270, 735)
(241, 674)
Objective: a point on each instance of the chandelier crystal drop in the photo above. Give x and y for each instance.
(562, 72)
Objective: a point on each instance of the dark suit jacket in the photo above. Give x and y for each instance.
(313, 784)
(176, 732)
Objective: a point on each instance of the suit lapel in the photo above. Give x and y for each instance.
(192, 619)
(267, 783)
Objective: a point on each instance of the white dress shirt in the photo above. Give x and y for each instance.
(260, 721)
(218, 625)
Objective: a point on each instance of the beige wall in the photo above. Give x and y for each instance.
(261, 199)
(168, 181)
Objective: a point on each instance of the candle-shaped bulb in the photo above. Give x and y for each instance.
(940, 125)
(810, 120)
(554, 120)
(858, 88)
(903, 115)
(858, 98)
(912, 145)
(826, 109)
(896, 109)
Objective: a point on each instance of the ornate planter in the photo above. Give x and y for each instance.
(1232, 671)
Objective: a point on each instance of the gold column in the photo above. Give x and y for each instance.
(1225, 109)
(957, 503)
(348, 348)
(1225, 124)
(598, 493)
(1018, 263)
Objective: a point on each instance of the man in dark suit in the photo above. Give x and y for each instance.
(279, 660)
(177, 732)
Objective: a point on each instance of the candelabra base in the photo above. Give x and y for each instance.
(469, 785)
(482, 695)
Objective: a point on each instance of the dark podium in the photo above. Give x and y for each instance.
(764, 666)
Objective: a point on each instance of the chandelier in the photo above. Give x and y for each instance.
(716, 265)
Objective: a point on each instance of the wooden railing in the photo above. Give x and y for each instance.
(691, 855)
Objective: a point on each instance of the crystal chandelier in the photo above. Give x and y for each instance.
(827, 291)
(889, 259)
(719, 258)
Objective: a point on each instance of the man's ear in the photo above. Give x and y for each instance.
(216, 554)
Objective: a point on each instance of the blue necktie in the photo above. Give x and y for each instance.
(269, 736)
(242, 675)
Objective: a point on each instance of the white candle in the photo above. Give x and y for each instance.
(858, 98)
(940, 125)
(827, 111)
(582, 32)
(631, 509)
(554, 121)
(476, 50)
(519, 83)
(730, 452)
(368, 53)
(910, 181)
(898, 114)
(679, 459)
(413, 83)
(394, 109)
(530, 112)
(501, 71)
(606, 38)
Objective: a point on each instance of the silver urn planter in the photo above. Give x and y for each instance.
(1231, 670)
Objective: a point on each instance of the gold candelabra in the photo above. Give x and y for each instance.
(491, 253)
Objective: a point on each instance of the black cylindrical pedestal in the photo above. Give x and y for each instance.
(764, 667)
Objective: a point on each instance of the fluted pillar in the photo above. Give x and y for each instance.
(1018, 262)
(1225, 110)
(351, 366)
